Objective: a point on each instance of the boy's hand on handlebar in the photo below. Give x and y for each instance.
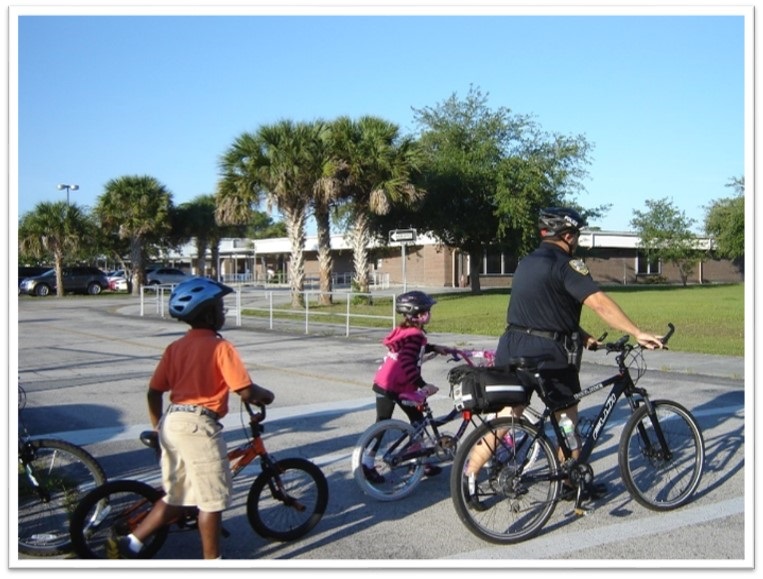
(442, 350)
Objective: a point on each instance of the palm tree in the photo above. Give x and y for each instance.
(54, 230)
(196, 220)
(138, 207)
(326, 191)
(374, 166)
(284, 162)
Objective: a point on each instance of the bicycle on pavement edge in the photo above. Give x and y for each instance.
(660, 455)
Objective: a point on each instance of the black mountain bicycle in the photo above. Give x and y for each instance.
(53, 475)
(661, 455)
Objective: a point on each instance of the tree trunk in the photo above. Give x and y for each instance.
(215, 260)
(136, 258)
(201, 255)
(58, 263)
(294, 219)
(475, 261)
(359, 240)
(324, 255)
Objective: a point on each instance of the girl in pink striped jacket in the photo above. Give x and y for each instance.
(401, 369)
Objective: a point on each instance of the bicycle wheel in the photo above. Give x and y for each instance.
(385, 444)
(111, 511)
(655, 480)
(63, 473)
(287, 501)
(515, 492)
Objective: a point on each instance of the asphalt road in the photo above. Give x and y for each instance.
(85, 363)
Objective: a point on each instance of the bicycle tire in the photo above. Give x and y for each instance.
(399, 480)
(66, 472)
(654, 482)
(513, 502)
(111, 511)
(270, 516)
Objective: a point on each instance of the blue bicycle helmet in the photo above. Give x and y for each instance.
(188, 297)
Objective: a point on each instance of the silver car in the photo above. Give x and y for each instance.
(166, 275)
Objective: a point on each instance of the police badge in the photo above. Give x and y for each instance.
(579, 266)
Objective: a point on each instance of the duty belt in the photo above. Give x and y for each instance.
(556, 336)
(195, 408)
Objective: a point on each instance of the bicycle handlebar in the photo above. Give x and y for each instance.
(457, 355)
(258, 416)
(620, 344)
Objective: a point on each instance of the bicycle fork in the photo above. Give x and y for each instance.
(661, 449)
(26, 455)
(276, 486)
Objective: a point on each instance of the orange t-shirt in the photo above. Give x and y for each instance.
(200, 368)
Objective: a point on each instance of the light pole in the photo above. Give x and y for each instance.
(61, 187)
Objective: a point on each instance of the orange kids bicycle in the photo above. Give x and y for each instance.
(285, 501)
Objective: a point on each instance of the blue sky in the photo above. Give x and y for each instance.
(660, 97)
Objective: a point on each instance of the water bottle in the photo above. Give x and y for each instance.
(568, 430)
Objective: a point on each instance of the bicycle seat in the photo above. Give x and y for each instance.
(150, 438)
(535, 363)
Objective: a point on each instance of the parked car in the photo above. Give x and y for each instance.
(82, 279)
(161, 275)
(117, 280)
(118, 284)
(30, 271)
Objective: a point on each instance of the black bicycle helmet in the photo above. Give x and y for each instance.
(190, 296)
(556, 220)
(414, 303)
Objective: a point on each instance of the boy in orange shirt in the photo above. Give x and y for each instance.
(198, 371)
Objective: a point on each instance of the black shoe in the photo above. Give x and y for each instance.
(432, 470)
(372, 475)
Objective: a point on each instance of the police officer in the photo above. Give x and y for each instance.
(549, 290)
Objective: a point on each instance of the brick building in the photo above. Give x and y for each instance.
(612, 257)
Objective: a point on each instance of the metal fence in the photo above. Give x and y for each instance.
(251, 306)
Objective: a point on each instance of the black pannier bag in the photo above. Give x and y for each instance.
(485, 389)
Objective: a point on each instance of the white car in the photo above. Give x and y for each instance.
(118, 284)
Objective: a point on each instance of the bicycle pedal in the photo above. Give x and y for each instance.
(579, 512)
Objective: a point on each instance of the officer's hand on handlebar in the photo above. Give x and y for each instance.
(650, 341)
(593, 344)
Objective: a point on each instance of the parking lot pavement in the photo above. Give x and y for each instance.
(86, 364)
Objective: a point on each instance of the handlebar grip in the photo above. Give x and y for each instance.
(666, 337)
(260, 415)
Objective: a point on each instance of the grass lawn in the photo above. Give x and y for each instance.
(709, 319)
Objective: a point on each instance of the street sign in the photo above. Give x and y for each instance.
(402, 236)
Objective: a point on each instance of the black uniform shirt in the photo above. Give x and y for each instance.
(548, 290)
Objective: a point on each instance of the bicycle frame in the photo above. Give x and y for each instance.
(429, 420)
(622, 384)
(239, 459)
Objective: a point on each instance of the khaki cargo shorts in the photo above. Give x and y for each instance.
(195, 466)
